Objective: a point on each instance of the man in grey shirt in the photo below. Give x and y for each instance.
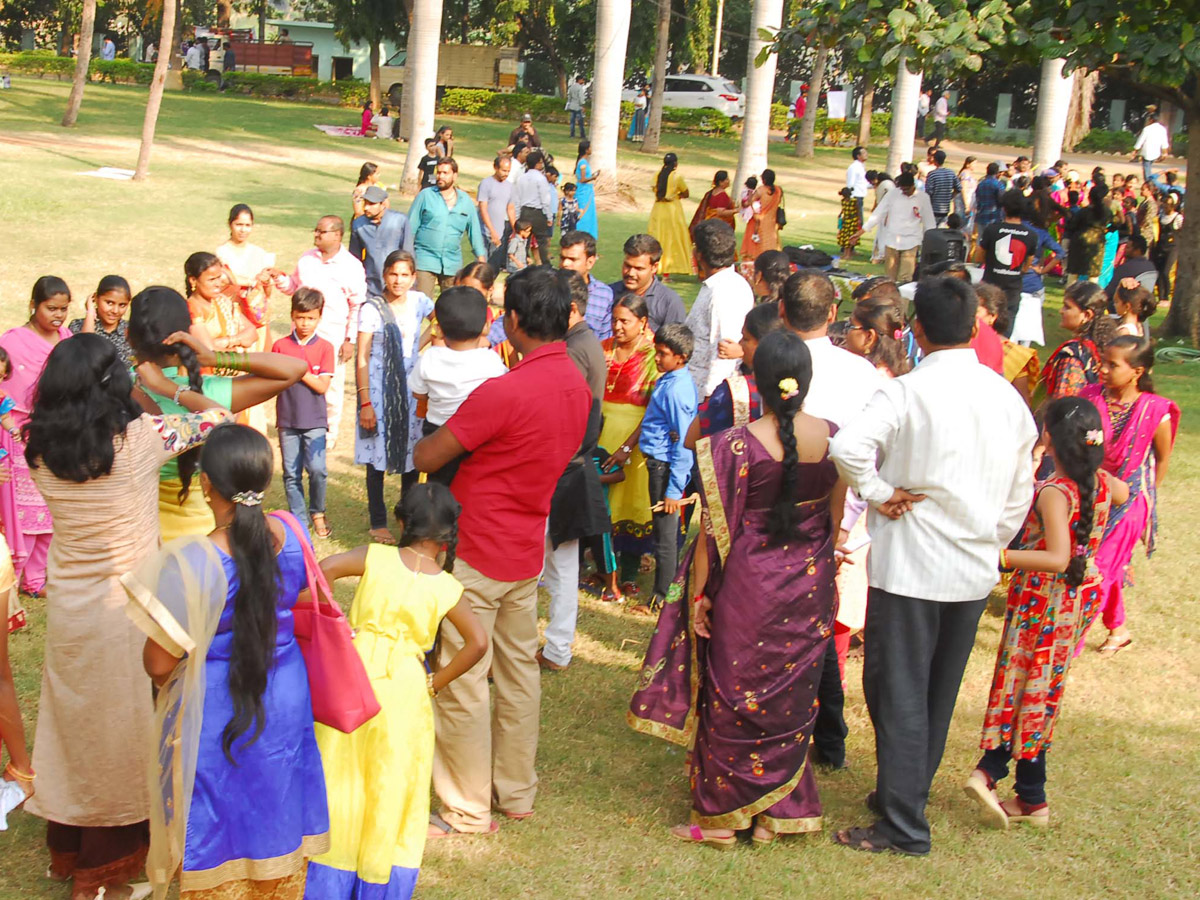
(534, 200)
(576, 94)
(639, 275)
(493, 198)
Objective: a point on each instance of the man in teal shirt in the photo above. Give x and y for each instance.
(437, 220)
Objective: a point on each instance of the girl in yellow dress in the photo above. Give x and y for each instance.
(378, 777)
(668, 223)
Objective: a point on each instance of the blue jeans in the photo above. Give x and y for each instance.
(303, 451)
(1148, 172)
(577, 116)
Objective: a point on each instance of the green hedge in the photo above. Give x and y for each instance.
(38, 63)
(1106, 142)
(121, 71)
(496, 105)
(346, 92)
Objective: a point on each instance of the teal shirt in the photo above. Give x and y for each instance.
(214, 387)
(435, 233)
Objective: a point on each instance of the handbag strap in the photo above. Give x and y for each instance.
(316, 578)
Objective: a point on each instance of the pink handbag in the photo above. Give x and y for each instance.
(342, 696)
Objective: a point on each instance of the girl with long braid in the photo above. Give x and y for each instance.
(1054, 596)
(378, 776)
(753, 607)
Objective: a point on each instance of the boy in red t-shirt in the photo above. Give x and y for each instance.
(300, 413)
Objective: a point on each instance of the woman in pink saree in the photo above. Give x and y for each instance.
(28, 346)
(1139, 433)
(733, 666)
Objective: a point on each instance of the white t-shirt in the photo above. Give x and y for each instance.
(1153, 142)
(842, 382)
(448, 376)
(385, 126)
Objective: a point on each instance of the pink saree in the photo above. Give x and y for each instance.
(1128, 454)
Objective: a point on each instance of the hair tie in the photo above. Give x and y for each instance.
(248, 498)
(1079, 550)
(788, 388)
(896, 334)
(1094, 438)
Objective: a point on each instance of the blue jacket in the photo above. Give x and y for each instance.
(668, 417)
(435, 233)
(370, 244)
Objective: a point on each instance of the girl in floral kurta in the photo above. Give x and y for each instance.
(1053, 598)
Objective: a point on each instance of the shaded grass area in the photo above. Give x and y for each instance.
(1123, 771)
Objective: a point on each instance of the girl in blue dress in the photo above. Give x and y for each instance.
(585, 190)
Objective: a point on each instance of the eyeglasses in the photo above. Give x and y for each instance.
(326, 231)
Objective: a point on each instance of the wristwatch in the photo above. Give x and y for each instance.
(625, 448)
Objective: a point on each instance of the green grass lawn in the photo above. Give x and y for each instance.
(1124, 776)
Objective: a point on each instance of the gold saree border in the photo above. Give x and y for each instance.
(152, 618)
(791, 826)
(257, 869)
(741, 819)
(714, 507)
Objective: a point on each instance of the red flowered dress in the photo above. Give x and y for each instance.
(1042, 626)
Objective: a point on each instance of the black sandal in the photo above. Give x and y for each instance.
(869, 840)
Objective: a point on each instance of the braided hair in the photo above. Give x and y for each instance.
(155, 314)
(783, 372)
(1069, 421)
(429, 512)
(1139, 353)
(1089, 296)
(883, 317)
(670, 164)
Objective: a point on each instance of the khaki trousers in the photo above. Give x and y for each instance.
(485, 754)
(427, 281)
(899, 265)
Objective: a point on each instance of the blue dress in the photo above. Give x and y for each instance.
(265, 806)
(585, 196)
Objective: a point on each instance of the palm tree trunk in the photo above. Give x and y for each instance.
(808, 125)
(376, 93)
(84, 57)
(612, 36)
(904, 115)
(166, 50)
(864, 120)
(1183, 318)
(766, 15)
(716, 46)
(420, 83)
(1079, 116)
(662, 31)
(1054, 102)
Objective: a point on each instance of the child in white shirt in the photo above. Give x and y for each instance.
(445, 376)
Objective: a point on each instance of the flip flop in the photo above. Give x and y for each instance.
(991, 813)
(695, 835)
(439, 828)
(320, 526)
(1111, 648)
(377, 537)
(869, 840)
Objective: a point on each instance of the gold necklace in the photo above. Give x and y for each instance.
(412, 549)
(610, 384)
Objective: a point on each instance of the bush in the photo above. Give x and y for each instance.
(465, 102)
(346, 92)
(967, 128)
(121, 71)
(1108, 142)
(38, 63)
(779, 116)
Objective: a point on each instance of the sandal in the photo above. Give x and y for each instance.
(694, 834)
(630, 589)
(1112, 646)
(1037, 815)
(982, 790)
(320, 526)
(763, 841)
(440, 828)
(608, 596)
(382, 536)
(869, 840)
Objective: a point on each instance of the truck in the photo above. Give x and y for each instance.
(253, 55)
(459, 65)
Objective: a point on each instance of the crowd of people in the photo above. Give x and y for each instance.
(546, 426)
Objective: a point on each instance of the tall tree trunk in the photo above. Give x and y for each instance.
(765, 16)
(662, 32)
(224, 13)
(166, 49)
(420, 83)
(82, 60)
(1183, 318)
(262, 21)
(376, 92)
(904, 116)
(612, 37)
(1054, 101)
(806, 140)
(716, 48)
(864, 119)
(1079, 116)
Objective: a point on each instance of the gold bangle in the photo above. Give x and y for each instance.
(429, 684)
(1004, 558)
(16, 773)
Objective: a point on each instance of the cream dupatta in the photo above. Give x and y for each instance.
(176, 598)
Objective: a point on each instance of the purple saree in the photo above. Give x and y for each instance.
(745, 701)
(1128, 454)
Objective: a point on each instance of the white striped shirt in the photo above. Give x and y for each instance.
(958, 433)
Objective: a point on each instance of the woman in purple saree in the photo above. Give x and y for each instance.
(733, 666)
(1139, 433)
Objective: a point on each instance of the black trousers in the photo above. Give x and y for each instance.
(446, 473)
(541, 231)
(1030, 783)
(829, 732)
(1012, 297)
(376, 506)
(666, 528)
(916, 651)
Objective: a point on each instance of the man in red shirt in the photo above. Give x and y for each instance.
(520, 430)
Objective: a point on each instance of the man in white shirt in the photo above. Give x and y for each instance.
(941, 113)
(904, 215)
(924, 102)
(1152, 144)
(534, 200)
(944, 457)
(856, 178)
(720, 308)
(194, 58)
(842, 384)
(385, 125)
(332, 269)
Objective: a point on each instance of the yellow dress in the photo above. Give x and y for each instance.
(378, 778)
(669, 226)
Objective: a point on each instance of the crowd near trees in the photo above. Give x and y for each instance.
(887, 49)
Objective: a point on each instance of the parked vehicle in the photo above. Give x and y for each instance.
(459, 65)
(700, 92)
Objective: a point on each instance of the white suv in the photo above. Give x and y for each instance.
(701, 92)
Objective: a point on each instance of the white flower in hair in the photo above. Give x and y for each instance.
(1094, 438)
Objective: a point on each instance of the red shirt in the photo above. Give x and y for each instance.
(521, 430)
(987, 347)
(300, 407)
